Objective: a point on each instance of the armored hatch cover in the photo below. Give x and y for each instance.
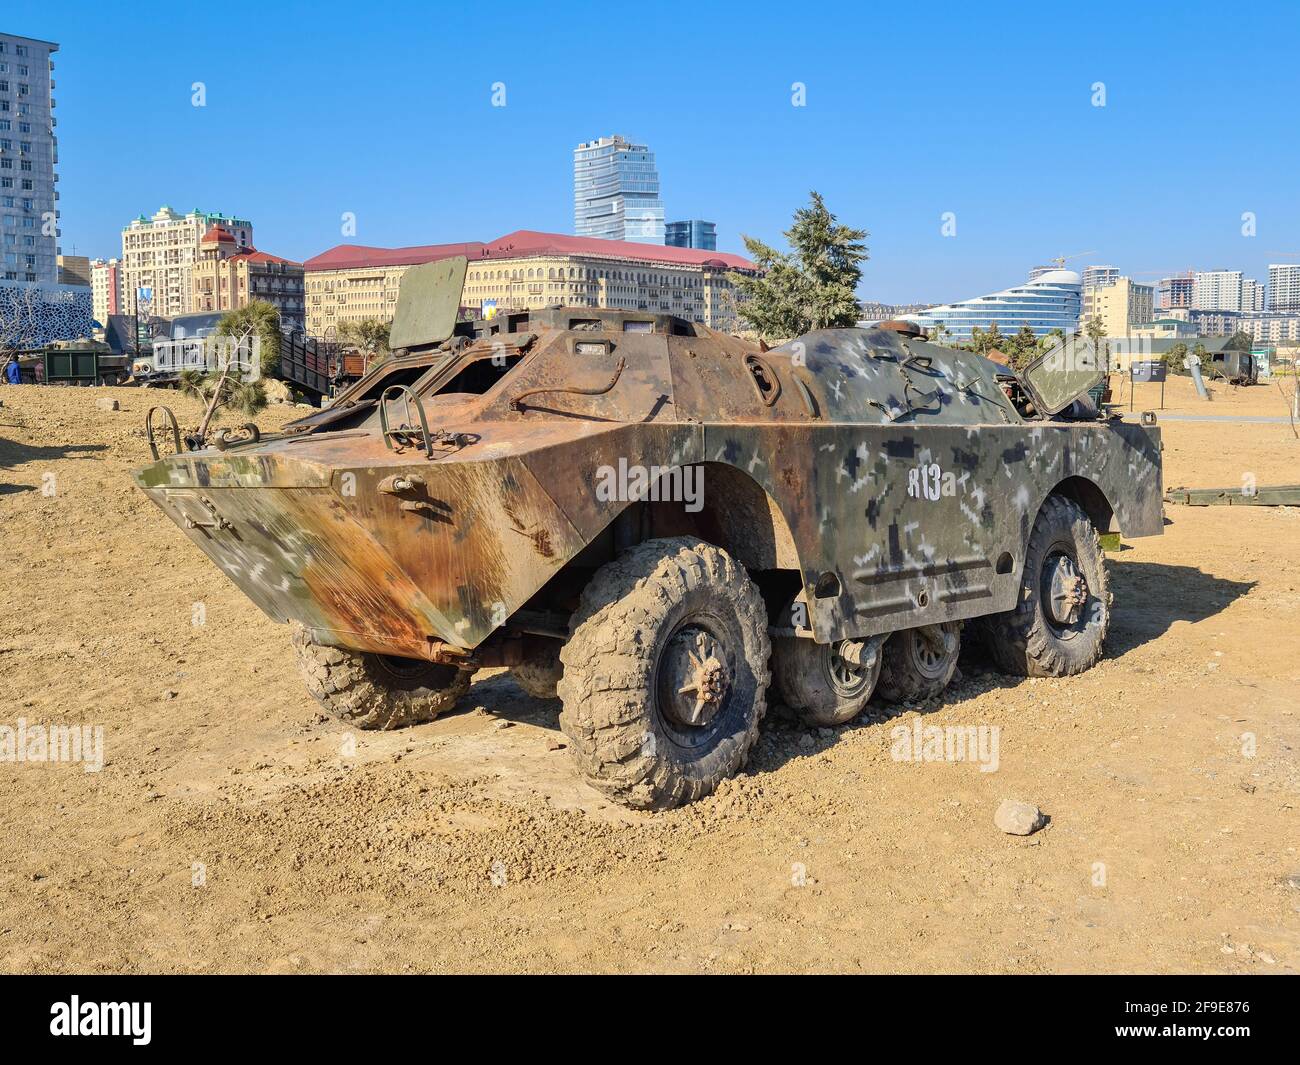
(1062, 374)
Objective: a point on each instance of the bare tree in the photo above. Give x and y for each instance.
(1291, 398)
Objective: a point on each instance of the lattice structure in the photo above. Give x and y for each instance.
(32, 316)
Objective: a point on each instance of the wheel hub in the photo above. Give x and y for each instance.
(1066, 588)
(693, 678)
(933, 648)
(850, 664)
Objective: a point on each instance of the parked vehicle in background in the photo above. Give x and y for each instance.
(1235, 367)
(193, 344)
(74, 362)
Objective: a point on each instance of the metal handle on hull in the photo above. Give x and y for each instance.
(406, 428)
(148, 431)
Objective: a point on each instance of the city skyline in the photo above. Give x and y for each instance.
(446, 166)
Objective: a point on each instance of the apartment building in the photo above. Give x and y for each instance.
(1175, 291)
(1284, 288)
(1216, 290)
(528, 269)
(28, 156)
(159, 253)
(106, 288)
(1099, 276)
(1271, 328)
(1252, 296)
(1121, 305)
(228, 276)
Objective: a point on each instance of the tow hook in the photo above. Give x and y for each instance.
(399, 484)
(405, 485)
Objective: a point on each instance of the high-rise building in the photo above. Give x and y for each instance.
(692, 234)
(106, 289)
(228, 276)
(1099, 276)
(1120, 306)
(526, 270)
(159, 254)
(1284, 287)
(35, 309)
(28, 154)
(1216, 290)
(1252, 296)
(1038, 271)
(616, 191)
(1175, 291)
(1050, 301)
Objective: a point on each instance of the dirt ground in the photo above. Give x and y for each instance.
(234, 827)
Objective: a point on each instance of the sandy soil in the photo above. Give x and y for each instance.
(235, 828)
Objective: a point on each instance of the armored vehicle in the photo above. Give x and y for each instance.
(656, 522)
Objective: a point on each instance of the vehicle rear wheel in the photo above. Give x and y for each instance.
(374, 691)
(919, 663)
(540, 673)
(665, 673)
(826, 683)
(1063, 613)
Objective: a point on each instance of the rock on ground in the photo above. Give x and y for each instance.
(1019, 818)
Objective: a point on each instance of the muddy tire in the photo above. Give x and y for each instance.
(919, 663)
(1063, 612)
(820, 684)
(374, 691)
(540, 675)
(665, 673)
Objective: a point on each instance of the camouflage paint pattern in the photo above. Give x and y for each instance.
(894, 476)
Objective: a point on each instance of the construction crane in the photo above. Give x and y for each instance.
(1061, 260)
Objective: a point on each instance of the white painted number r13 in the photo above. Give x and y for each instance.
(925, 482)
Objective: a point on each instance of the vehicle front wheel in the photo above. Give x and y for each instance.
(665, 673)
(373, 691)
(1063, 613)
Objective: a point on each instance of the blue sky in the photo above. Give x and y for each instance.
(913, 110)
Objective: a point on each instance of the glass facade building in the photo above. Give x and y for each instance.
(616, 192)
(1050, 301)
(693, 234)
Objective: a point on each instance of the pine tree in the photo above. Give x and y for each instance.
(256, 319)
(813, 286)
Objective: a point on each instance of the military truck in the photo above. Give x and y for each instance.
(656, 522)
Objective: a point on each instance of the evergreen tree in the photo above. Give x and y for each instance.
(813, 286)
(258, 319)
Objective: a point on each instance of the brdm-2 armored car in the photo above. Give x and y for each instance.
(657, 522)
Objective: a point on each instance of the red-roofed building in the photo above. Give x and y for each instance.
(227, 277)
(529, 269)
(217, 236)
